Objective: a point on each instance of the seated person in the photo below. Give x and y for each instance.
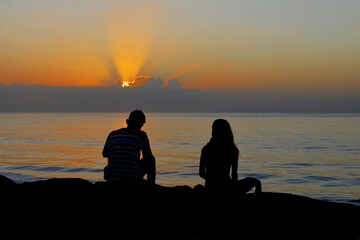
(218, 157)
(122, 148)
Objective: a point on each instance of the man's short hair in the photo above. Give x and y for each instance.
(137, 116)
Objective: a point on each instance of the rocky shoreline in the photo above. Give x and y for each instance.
(74, 207)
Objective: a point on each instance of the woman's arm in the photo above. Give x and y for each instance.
(203, 160)
(234, 167)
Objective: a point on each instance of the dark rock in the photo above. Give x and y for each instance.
(61, 182)
(199, 188)
(77, 207)
(4, 181)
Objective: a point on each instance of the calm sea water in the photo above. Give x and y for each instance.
(316, 155)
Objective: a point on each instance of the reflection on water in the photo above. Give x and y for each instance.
(315, 155)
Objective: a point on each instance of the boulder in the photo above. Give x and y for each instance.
(55, 182)
(5, 181)
(76, 207)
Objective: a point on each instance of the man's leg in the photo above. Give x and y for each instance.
(150, 168)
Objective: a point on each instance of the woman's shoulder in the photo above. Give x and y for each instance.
(231, 147)
(205, 148)
(236, 149)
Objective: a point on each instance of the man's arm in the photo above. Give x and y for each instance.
(106, 150)
(149, 162)
(151, 168)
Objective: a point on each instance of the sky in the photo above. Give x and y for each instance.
(243, 45)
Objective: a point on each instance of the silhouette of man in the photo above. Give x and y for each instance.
(122, 148)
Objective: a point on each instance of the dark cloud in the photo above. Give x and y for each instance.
(174, 84)
(154, 97)
(153, 83)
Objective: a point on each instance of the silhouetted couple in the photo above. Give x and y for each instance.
(218, 157)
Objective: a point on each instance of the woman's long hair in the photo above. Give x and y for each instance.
(222, 141)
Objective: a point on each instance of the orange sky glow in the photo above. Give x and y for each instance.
(204, 46)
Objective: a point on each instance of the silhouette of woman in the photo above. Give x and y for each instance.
(218, 157)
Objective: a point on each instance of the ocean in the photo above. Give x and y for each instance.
(315, 155)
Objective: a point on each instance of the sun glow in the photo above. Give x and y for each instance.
(137, 82)
(127, 84)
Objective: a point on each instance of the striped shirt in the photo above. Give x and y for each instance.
(122, 148)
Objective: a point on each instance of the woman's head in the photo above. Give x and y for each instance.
(221, 131)
(222, 146)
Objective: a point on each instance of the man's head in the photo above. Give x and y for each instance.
(136, 119)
